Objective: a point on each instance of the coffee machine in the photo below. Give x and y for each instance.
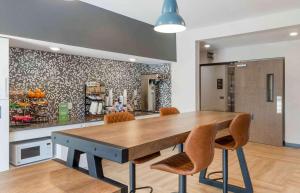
(150, 83)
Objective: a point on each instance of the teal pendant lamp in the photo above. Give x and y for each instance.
(170, 21)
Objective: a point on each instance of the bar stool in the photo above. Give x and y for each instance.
(122, 117)
(239, 137)
(164, 111)
(199, 153)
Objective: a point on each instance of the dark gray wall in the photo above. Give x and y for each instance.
(80, 24)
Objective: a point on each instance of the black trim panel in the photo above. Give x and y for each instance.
(99, 149)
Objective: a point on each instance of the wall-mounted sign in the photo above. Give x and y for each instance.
(220, 83)
(241, 65)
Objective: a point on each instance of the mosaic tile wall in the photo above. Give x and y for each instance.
(63, 76)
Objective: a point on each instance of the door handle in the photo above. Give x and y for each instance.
(270, 87)
(252, 116)
(0, 112)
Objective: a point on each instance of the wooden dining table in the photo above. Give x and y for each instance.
(126, 141)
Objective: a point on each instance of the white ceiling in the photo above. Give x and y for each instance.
(261, 37)
(198, 13)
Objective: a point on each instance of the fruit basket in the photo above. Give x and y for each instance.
(20, 118)
(28, 107)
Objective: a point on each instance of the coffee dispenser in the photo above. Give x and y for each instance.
(150, 84)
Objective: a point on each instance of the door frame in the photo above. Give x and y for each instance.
(198, 98)
(198, 90)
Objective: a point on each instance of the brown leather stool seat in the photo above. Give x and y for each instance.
(146, 158)
(239, 133)
(237, 138)
(176, 164)
(168, 111)
(226, 142)
(199, 153)
(122, 117)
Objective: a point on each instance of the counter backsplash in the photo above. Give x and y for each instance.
(63, 76)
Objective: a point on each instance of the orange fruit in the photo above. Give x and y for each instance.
(30, 94)
(37, 95)
(42, 95)
(37, 90)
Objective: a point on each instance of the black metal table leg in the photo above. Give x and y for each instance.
(225, 171)
(232, 188)
(95, 153)
(132, 177)
(73, 158)
(132, 180)
(95, 168)
(182, 179)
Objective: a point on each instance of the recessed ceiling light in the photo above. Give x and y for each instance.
(293, 33)
(132, 59)
(207, 46)
(55, 49)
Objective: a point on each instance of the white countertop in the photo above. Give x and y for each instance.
(34, 133)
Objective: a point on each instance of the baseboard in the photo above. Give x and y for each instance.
(293, 145)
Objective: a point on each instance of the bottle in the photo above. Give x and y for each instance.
(110, 95)
(125, 97)
(100, 108)
(135, 102)
(121, 99)
(106, 101)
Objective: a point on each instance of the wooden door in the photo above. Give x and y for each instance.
(259, 90)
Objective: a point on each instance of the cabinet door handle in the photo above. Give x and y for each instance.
(0, 112)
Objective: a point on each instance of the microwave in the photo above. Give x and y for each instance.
(29, 151)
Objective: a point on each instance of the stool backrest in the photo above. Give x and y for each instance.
(200, 146)
(239, 129)
(168, 111)
(118, 117)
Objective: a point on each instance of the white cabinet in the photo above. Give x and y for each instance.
(4, 135)
(4, 104)
(4, 68)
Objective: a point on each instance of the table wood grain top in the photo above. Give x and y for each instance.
(145, 136)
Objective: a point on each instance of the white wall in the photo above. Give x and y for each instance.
(4, 118)
(289, 50)
(184, 71)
